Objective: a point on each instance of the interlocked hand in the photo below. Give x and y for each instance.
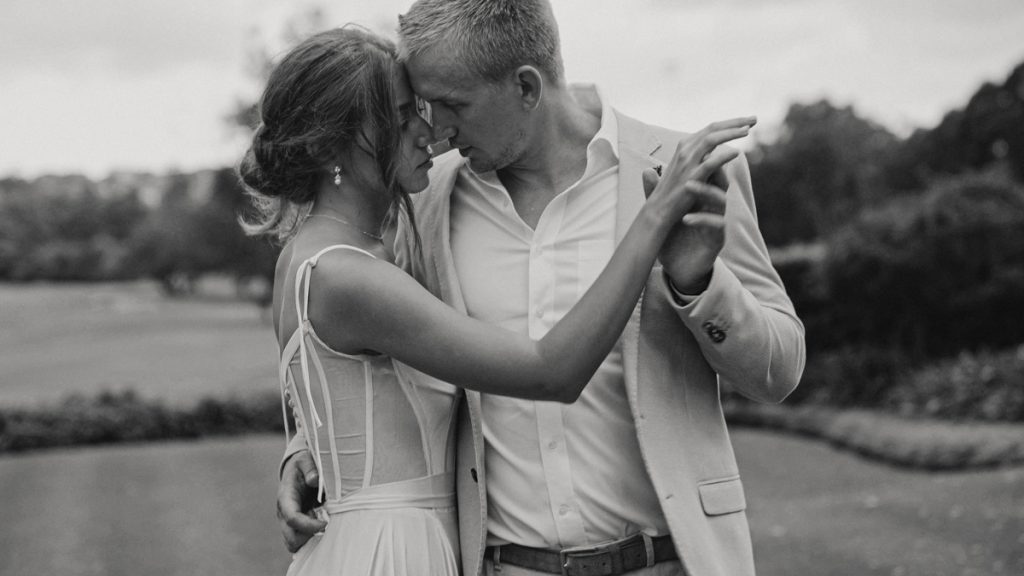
(689, 253)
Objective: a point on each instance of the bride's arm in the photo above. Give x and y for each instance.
(357, 304)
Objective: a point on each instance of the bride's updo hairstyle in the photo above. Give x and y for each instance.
(331, 92)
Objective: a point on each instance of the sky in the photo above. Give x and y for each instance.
(145, 85)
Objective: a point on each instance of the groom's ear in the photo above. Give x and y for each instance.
(530, 84)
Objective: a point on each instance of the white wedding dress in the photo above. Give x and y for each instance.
(383, 447)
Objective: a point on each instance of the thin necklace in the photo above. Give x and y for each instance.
(377, 237)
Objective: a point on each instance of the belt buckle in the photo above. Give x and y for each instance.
(568, 555)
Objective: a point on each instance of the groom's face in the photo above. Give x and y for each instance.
(484, 120)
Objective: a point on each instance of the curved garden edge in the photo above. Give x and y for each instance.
(114, 417)
(903, 442)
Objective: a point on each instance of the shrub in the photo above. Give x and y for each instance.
(933, 274)
(800, 268)
(982, 386)
(125, 417)
(914, 443)
(851, 376)
(261, 413)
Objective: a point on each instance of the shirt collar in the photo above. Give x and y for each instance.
(609, 130)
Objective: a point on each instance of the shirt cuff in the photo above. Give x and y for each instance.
(680, 298)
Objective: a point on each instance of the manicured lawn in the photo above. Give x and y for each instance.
(56, 339)
(207, 508)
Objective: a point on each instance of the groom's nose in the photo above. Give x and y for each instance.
(442, 122)
(443, 131)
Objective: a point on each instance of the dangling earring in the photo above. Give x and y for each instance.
(337, 175)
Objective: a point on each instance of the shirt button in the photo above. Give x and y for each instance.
(563, 509)
(552, 445)
(539, 312)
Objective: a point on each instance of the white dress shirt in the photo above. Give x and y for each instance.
(557, 475)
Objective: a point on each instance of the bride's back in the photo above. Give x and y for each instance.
(371, 420)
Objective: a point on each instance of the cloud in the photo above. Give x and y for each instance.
(95, 125)
(685, 63)
(130, 37)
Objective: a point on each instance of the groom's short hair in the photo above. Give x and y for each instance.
(491, 37)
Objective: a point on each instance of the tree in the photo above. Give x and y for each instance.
(260, 60)
(229, 248)
(195, 231)
(63, 229)
(167, 245)
(935, 273)
(820, 171)
(988, 130)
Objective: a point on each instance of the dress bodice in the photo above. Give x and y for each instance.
(369, 420)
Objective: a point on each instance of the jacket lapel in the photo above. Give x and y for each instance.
(435, 217)
(441, 278)
(636, 148)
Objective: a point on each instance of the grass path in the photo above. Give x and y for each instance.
(207, 508)
(820, 512)
(181, 508)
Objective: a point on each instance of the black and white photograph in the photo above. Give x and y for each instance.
(512, 288)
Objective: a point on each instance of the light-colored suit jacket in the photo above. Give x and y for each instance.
(742, 332)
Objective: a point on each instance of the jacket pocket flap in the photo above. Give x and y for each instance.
(722, 496)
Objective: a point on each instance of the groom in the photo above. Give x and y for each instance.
(638, 476)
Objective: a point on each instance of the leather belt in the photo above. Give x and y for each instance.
(607, 559)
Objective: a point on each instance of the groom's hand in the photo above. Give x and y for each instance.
(689, 252)
(296, 498)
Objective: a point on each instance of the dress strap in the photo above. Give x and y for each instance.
(302, 282)
(301, 337)
(316, 257)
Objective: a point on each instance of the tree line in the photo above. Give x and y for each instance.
(82, 231)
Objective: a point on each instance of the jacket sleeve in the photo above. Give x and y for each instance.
(298, 441)
(744, 322)
(295, 445)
